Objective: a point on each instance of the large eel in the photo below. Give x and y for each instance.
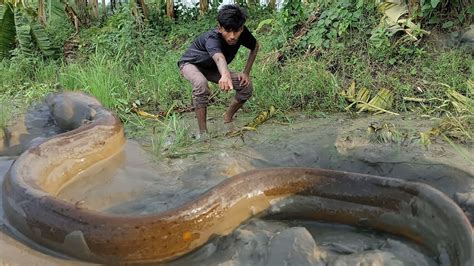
(413, 210)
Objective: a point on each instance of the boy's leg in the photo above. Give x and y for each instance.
(200, 93)
(242, 94)
(234, 106)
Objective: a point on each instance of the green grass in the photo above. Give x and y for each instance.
(5, 113)
(157, 79)
(171, 136)
(104, 78)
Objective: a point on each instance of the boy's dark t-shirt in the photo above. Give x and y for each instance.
(209, 43)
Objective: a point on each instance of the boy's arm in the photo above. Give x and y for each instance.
(225, 83)
(251, 59)
(244, 77)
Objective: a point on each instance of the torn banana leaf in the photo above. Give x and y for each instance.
(382, 101)
(350, 93)
(363, 96)
(252, 126)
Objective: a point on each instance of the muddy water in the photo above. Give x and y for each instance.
(35, 126)
(134, 182)
(18, 250)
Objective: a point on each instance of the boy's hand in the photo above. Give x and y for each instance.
(244, 79)
(225, 83)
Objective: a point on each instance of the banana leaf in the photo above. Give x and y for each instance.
(56, 7)
(363, 102)
(23, 30)
(7, 30)
(41, 39)
(252, 126)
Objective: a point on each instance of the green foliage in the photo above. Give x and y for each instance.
(157, 77)
(447, 13)
(5, 113)
(292, 13)
(299, 85)
(397, 37)
(319, 25)
(7, 30)
(103, 77)
(23, 29)
(22, 69)
(171, 135)
(380, 47)
(41, 39)
(20, 23)
(185, 13)
(334, 22)
(116, 38)
(59, 29)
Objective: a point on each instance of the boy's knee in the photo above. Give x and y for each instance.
(200, 85)
(244, 93)
(201, 95)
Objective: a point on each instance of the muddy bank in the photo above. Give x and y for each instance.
(135, 183)
(337, 142)
(267, 242)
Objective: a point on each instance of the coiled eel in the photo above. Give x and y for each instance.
(413, 210)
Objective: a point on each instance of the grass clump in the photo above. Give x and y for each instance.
(5, 113)
(171, 136)
(102, 77)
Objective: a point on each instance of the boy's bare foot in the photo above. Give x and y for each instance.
(203, 137)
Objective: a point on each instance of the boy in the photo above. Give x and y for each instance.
(208, 57)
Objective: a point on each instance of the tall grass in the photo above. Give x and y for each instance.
(156, 78)
(5, 113)
(171, 135)
(105, 78)
(300, 85)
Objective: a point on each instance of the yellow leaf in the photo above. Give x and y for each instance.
(145, 114)
(258, 120)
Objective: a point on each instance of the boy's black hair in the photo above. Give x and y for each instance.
(231, 17)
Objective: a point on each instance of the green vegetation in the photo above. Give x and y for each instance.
(169, 137)
(5, 114)
(311, 53)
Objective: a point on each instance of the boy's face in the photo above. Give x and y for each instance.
(230, 37)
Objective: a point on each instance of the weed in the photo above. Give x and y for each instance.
(5, 113)
(102, 77)
(171, 136)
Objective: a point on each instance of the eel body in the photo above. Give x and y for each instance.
(413, 210)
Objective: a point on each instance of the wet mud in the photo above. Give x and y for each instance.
(136, 183)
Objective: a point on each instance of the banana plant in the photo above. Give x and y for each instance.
(19, 27)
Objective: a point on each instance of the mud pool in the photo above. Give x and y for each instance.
(134, 182)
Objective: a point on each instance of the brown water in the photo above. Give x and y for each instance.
(134, 182)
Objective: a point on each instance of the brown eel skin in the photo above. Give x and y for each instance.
(413, 210)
